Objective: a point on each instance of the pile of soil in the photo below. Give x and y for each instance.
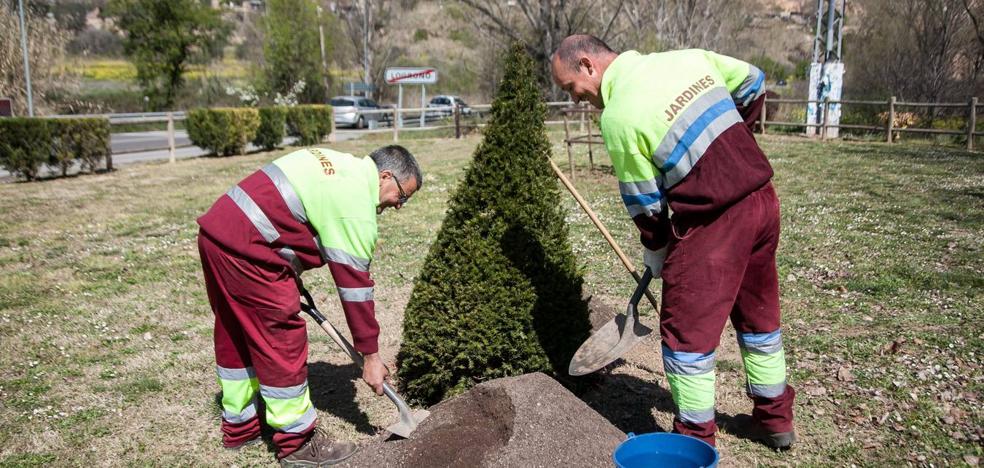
(529, 420)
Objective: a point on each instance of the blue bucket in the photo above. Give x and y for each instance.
(664, 449)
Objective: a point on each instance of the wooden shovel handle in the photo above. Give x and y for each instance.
(604, 232)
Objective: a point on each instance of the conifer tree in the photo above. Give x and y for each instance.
(500, 292)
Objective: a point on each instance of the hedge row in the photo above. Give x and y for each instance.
(27, 144)
(223, 131)
(227, 131)
(309, 123)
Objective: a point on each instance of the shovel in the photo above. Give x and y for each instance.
(614, 338)
(408, 419)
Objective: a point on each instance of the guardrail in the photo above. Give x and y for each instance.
(458, 118)
(128, 117)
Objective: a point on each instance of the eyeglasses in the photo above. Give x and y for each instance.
(403, 195)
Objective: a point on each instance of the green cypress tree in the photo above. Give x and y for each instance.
(500, 292)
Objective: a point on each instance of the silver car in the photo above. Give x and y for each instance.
(349, 111)
(442, 106)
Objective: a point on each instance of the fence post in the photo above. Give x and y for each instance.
(332, 134)
(765, 105)
(396, 124)
(170, 136)
(109, 154)
(581, 128)
(457, 122)
(567, 140)
(891, 119)
(971, 123)
(826, 114)
(590, 151)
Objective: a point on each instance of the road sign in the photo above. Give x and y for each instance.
(411, 75)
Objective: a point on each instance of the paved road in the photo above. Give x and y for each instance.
(145, 141)
(128, 148)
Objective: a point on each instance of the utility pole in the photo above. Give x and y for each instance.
(365, 43)
(827, 69)
(27, 63)
(324, 62)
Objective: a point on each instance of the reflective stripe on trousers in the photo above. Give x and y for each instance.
(691, 377)
(765, 363)
(239, 387)
(288, 409)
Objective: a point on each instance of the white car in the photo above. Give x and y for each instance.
(444, 104)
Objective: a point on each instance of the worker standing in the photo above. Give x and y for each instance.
(677, 126)
(310, 208)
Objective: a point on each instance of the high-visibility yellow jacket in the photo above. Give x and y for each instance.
(677, 127)
(309, 208)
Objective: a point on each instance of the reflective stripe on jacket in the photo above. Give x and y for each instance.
(309, 208)
(667, 112)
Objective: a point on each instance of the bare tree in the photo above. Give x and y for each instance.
(47, 44)
(647, 25)
(918, 49)
(368, 28)
(673, 24)
(540, 25)
(974, 10)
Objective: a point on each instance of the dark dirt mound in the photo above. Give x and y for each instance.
(479, 424)
(530, 420)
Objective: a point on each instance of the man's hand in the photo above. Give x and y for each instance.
(374, 372)
(654, 260)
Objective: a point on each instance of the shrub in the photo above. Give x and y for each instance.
(773, 70)
(224, 131)
(310, 123)
(499, 293)
(84, 140)
(272, 127)
(949, 123)
(25, 145)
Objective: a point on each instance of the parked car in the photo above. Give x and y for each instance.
(444, 105)
(349, 111)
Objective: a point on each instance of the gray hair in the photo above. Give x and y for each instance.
(572, 48)
(399, 161)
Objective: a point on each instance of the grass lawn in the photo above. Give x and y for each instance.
(105, 330)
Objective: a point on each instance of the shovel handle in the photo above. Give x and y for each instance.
(604, 232)
(340, 340)
(643, 287)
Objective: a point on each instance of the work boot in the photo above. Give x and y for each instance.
(319, 451)
(780, 441)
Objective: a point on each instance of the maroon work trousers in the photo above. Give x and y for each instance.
(256, 325)
(719, 268)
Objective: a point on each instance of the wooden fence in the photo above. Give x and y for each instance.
(889, 128)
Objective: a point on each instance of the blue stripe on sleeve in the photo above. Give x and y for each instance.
(755, 87)
(642, 199)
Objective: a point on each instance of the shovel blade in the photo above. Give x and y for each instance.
(608, 343)
(408, 423)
